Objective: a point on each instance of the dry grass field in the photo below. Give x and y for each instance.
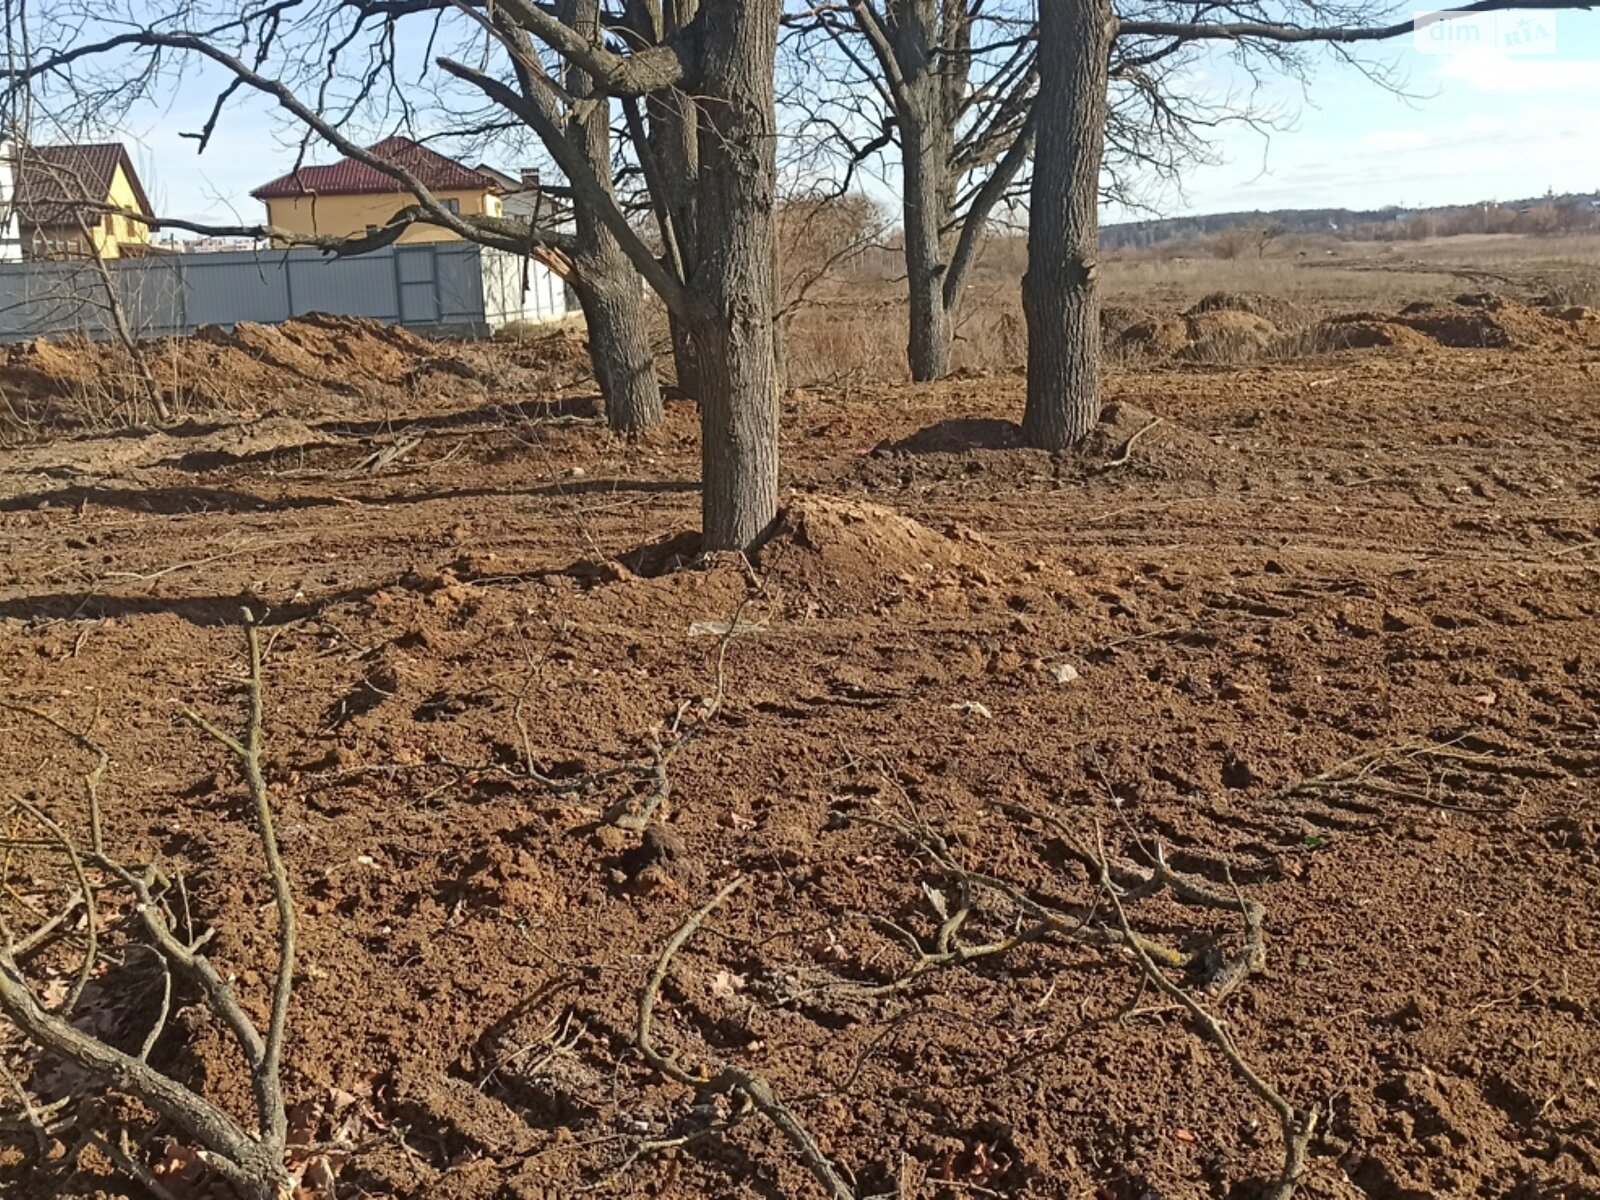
(1323, 639)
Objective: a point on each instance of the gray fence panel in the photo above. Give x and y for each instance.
(236, 287)
(459, 276)
(353, 287)
(439, 285)
(415, 272)
(153, 297)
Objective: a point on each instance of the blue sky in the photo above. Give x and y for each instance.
(1484, 124)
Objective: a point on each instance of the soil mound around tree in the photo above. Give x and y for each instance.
(823, 544)
(956, 437)
(1132, 438)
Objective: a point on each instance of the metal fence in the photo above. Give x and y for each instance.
(440, 287)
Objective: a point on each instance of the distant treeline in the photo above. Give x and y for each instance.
(1544, 215)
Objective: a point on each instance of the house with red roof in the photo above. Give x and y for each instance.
(349, 197)
(78, 201)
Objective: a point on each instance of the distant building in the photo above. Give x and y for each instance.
(525, 197)
(349, 197)
(63, 199)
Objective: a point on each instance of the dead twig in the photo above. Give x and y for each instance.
(1127, 447)
(750, 1090)
(252, 1163)
(1297, 1127)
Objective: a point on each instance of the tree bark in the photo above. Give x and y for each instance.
(926, 209)
(608, 286)
(619, 342)
(732, 282)
(1058, 292)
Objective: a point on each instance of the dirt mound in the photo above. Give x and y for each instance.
(1155, 336)
(1285, 314)
(1365, 331)
(1117, 319)
(72, 382)
(1131, 438)
(1472, 321)
(331, 350)
(1478, 320)
(1456, 325)
(1213, 331)
(850, 549)
(1571, 314)
(1226, 335)
(957, 436)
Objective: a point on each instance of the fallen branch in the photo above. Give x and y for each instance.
(252, 1163)
(1127, 447)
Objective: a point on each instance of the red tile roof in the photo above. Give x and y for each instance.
(348, 177)
(51, 178)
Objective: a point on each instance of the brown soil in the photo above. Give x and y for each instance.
(1390, 552)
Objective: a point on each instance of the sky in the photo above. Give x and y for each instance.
(1500, 111)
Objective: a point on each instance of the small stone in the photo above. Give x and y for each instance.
(1065, 673)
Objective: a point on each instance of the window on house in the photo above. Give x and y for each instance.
(111, 225)
(452, 206)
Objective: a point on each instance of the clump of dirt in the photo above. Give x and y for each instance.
(1226, 335)
(1285, 314)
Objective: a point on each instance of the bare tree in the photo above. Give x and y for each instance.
(88, 82)
(1080, 42)
(719, 287)
(951, 80)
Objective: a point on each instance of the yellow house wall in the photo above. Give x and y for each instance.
(341, 216)
(123, 231)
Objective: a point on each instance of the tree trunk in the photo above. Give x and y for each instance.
(732, 281)
(608, 286)
(925, 210)
(619, 342)
(1058, 292)
(683, 360)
